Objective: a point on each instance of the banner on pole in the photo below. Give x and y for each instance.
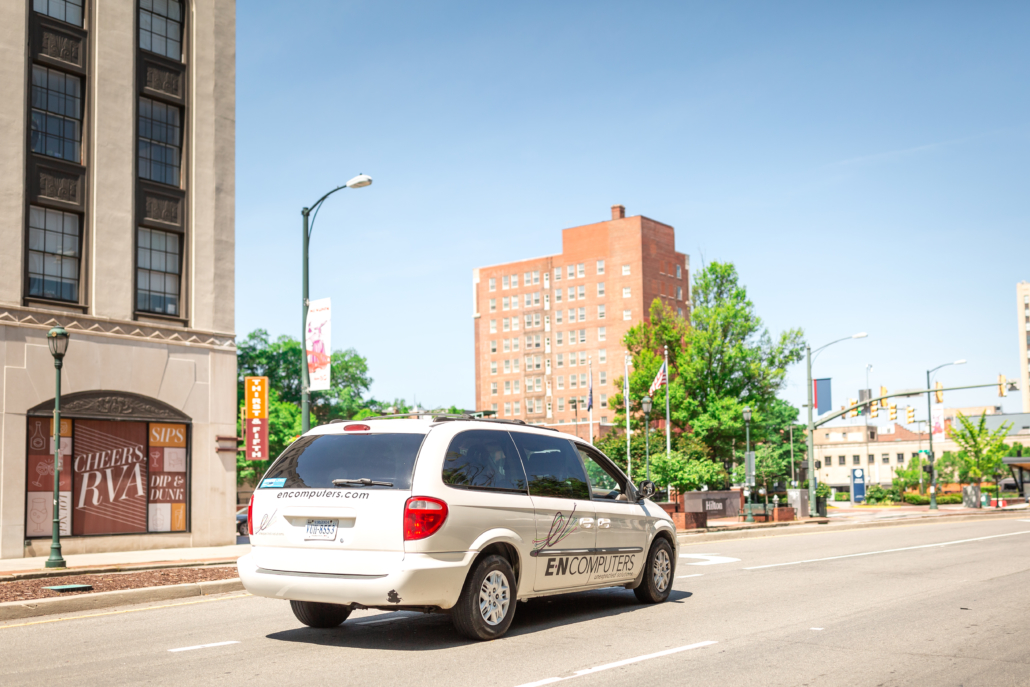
(937, 423)
(318, 344)
(255, 426)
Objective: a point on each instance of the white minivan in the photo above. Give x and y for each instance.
(449, 514)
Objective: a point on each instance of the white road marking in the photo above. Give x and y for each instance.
(873, 553)
(708, 558)
(201, 646)
(617, 664)
(683, 577)
(1022, 520)
(816, 628)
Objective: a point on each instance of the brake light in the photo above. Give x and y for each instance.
(250, 516)
(423, 516)
(357, 428)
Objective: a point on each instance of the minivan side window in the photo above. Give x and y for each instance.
(552, 466)
(483, 459)
(603, 482)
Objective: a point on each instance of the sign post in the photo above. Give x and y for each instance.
(857, 485)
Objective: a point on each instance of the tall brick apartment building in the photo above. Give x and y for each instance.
(541, 323)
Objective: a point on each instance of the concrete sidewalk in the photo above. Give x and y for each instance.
(129, 559)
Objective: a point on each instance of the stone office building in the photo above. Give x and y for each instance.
(117, 129)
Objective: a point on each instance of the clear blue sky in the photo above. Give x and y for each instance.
(864, 166)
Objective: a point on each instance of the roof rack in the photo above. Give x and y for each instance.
(451, 417)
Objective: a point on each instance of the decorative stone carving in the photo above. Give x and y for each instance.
(60, 46)
(112, 405)
(162, 209)
(164, 80)
(58, 185)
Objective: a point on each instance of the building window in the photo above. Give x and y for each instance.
(582, 292)
(160, 27)
(602, 334)
(602, 356)
(679, 271)
(493, 388)
(515, 369)
(901, 458)
(507, 366)
(871, 459)
(604, 400)
(527, 278)
(56, 114)
(886, 458)
(582, 336)
(493, 367)
(536, 298)
(158, 265)
(582, 314)
(627, 315)
(581, 270)
(679, 311)
(507, 383)
(561, 383)
(856, 460)
(600, 312)
(561, 404)
(557, 295)
(493, 407)
(626, 292)
(600, 266)
(560, 362)
(558, 314)
(493, 305)
(65, 10)
(493, 346)
(493, 284)
(515, 408)
(572, 381)
(600, 289)
(679, 293)
(602, 378)
(504, 282)
(505, 325)
(571, 272)
(557, 274)
(558, 338)
(514, 281)
(53, 254)
(841, 460)
(160, 141)
(504, 303)
(625, 270)
(582, 357)
(572, 293)
(536, 277)
(507, 409)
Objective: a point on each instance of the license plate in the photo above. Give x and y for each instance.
(320, 529)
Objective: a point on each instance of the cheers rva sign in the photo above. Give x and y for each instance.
(110, 465)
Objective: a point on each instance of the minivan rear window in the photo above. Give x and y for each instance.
(313, 462)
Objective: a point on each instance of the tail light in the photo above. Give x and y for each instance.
(250, 516)
(423, 516)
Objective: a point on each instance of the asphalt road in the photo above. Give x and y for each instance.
(886, 606)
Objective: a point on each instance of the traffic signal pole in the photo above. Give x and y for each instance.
(933, 472)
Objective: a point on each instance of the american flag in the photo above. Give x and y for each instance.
(660, 379)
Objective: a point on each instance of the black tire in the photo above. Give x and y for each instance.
(314, 614)
(466, 615)
(659, 570)
(242, 529)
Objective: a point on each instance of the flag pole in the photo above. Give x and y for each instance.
(625, 399)
(668, 426)
(590, 396)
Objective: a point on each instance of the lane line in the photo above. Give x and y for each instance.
(128, 610)
(683, 577)
(873, 553)
(617, 664)
(201, 646)
(709, 558)
(817, 629)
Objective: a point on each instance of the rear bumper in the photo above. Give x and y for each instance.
(422, 580)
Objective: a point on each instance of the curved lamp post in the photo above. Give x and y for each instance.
(747, 455)
(57, 339)
(929, 422)
(812, 512)
(359, 181)
(645, 403)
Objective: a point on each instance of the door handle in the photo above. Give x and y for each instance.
(604, 522)
(586, 523)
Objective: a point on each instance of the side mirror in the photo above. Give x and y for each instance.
(647, 489)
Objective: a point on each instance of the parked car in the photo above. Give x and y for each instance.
(241, 521)
(449, 514)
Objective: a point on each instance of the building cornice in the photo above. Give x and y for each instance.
(39, 318)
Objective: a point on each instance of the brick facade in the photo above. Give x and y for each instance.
(540, 352)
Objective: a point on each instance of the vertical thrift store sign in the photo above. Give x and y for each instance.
(256, 417)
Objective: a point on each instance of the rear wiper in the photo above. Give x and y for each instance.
(364, 481)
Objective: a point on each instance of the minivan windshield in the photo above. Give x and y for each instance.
(315, 461)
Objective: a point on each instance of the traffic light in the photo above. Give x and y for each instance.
(928, 469)
(939, 393)
(910, 415)
(874, 411)
(883, 401)
(1002, 389)
(894, 411)
(818, 465)
(854, 409)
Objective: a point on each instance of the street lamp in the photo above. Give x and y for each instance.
(359, 181)
(929, 420)
(645, 403)
(747, 458)
(811, 427)
(57, 339)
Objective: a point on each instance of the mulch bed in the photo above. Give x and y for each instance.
(24, 590)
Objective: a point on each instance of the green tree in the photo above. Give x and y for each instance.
(982, 448)
(908, 477)
(283, 428)
(771, 466)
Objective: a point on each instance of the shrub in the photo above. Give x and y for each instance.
(842, 496)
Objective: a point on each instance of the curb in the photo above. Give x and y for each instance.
(808, 527)
(16, 610)
(104, 569)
